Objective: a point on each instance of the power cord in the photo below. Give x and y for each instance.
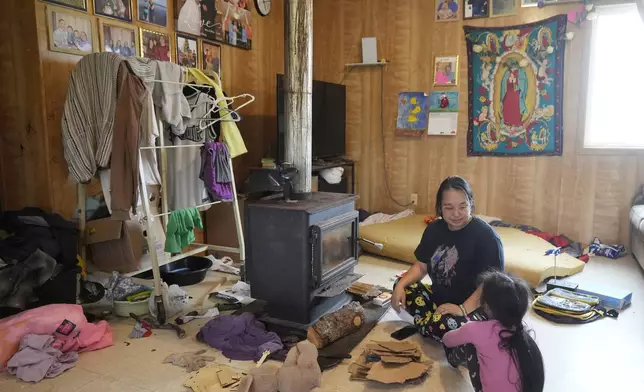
(345, 74)
(382, 134)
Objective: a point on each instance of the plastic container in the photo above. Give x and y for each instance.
(124, 308)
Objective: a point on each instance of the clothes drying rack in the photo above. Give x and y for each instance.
(149, 216)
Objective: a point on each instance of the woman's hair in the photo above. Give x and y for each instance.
(453, 182)
(507, 299)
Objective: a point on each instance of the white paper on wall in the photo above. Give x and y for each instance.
(442, 123)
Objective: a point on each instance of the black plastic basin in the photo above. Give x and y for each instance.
(185, 272)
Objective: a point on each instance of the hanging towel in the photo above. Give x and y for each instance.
(210, 166)
(184, 189)
(229, 129)
(222, 167)
(88, 115)
(180, 231)
(175, 109)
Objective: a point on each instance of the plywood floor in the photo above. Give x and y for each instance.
(602, 356)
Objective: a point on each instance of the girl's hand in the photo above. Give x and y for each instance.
(452, 309)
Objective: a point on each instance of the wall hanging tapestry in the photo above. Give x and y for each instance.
(516, 88)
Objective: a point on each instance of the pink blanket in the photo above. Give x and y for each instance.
(74, 332)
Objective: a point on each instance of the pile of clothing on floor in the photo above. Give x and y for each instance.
(573, 248)
(123, 288)
(44, 342)
(38, 264)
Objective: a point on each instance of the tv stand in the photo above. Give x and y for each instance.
(328, 163)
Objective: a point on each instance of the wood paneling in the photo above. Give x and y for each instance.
(581, 196)
(23, 135)
(34, 79)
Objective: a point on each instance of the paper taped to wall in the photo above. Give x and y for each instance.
(442, 123)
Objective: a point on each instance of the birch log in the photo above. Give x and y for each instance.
(336, 325)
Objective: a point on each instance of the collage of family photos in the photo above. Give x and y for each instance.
(129, 28)
(453, 10)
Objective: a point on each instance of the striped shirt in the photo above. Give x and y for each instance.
(88, 115)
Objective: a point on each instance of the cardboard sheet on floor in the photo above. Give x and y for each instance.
(213, 379)
(390, 362)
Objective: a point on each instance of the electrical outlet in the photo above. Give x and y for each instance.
(414, 199)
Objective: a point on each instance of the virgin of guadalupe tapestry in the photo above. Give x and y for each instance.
(516, 88)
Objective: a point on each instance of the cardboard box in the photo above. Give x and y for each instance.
(121, 245)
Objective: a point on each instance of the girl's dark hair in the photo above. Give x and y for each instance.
(453, 182)
(507, 299)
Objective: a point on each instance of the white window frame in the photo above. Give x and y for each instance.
(585, 147)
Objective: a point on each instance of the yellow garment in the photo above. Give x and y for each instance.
(229, 130)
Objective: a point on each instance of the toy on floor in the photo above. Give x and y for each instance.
(611, 251)
(300, 373)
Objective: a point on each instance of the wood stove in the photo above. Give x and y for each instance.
(297, 249)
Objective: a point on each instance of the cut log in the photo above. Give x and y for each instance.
(336, 325)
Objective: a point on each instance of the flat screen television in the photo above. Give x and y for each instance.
(329, 119)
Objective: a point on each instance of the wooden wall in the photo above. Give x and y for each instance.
(579, 195)
(33, 170)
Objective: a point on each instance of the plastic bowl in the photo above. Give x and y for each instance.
(124, 308)
(185, 272)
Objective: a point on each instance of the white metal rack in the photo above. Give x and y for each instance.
(149, 217)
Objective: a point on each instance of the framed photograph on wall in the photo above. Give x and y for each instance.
(446, 71)
(154, 45)
(448, 10)
(503, 7)
(118, 38)
(236, 21)
(474, 9)
(153, 11)
(117, 9)
(188, 16)
(211, 57)
(187, 51)
(70, 31)
(80, 5)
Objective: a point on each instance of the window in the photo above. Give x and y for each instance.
(615, 99)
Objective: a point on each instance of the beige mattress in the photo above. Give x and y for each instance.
(524, 253)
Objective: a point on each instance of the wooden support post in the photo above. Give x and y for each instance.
(298, 65)
(82, 218)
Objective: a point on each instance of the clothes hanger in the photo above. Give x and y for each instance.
(235, 111)
(215, 109)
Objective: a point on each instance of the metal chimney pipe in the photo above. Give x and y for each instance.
(298, 72)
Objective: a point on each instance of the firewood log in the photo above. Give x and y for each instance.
(336, 325)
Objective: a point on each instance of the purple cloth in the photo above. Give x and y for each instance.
(241, 338)
(37, 359)
(214, 162)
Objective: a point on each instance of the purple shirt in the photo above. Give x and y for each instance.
(498, 371)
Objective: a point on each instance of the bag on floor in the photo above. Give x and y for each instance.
(568, 307)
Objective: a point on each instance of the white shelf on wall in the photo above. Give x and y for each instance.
(380, 63)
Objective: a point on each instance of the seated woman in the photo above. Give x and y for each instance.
(455, 251)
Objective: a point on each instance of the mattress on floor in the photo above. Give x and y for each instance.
(524, 253)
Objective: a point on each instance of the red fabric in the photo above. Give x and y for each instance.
(557, 240)
(511, 106)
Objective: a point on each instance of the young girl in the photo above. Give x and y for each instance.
(507, 358)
